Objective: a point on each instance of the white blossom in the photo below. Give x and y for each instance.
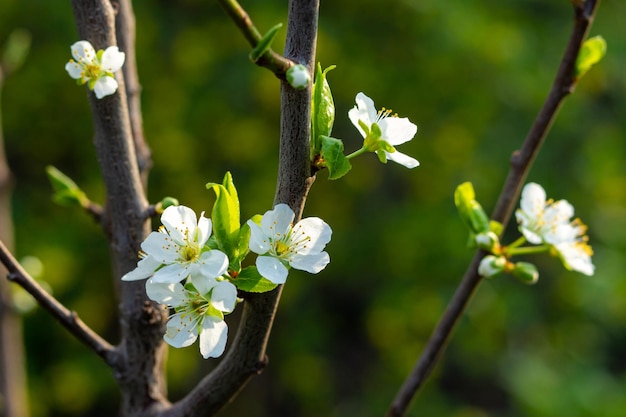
(96, 69)
(280, 244)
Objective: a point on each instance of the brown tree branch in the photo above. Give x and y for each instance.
(521, 162)
(271, 60)
(141, 351)
(247, 355)
(67, 318)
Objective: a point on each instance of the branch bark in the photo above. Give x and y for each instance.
(521, 162)
(247, 356)
(141, 352)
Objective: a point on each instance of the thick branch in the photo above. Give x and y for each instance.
(521, 162)
(247, 356)
(140, 370)
(270, 59)
(67, 318)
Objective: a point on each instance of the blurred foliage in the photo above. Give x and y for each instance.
(472, 75)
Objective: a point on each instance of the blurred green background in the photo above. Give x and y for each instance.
(472, 75)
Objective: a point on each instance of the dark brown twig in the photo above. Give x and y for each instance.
(270, 59)
(521, 162)
(67, 318)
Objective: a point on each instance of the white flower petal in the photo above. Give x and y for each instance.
(112, 59)
(160, 247)
(317, 231)
(213, 337)
(397, 130)
(213, 263)
(276, 222)
(181, 330)
(312, 263)
(224, 297)
(82, 51)
(180, 222)
(174, 273)
(533, 199)
(145, 268)
(272, 269)
(402, 159)
(172, 295)
(74, 70)
(364, 111)
(204, 230)
(258, 241)
(202, 283)
(105, 86)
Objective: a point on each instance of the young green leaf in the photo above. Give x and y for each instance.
(322, 110)
(334, 158)
(250, 280)
(470, 210)
(66, 192)
(592, 51)
(225, 216)
(265, 43)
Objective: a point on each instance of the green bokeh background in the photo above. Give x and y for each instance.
(472, 75)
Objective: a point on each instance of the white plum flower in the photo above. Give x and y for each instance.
(547, 221)
(393, 130)
(96, 69)
(280, 244)
(539, 218)
(178, 250)
(199, 309)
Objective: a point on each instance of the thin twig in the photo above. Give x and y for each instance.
(247, 356)
(521, 162)
(67, 318)
(271, 60)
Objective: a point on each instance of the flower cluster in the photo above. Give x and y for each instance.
(197, 274)
(96, 69)
(545, 223)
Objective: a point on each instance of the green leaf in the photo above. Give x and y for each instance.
(322, 110)
(592, 51)
(225, 216)
(265, 43)
(334, 159)
(250, 280)
(66, 192)
(470, 210)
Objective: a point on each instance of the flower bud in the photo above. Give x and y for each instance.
(488, 241)
(525, 272)
(491, 266)
(298, 77)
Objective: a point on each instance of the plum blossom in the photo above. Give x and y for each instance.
(199, 309)
(96, 69)
(280, 244)
(392, 130)
(178, 249)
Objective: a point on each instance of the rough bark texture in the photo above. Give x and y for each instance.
(140, 371)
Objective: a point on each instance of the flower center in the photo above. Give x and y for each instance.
(189, 253)
(91, 71)
(281, 248)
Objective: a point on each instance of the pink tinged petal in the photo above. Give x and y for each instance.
(272, 269)
(276, 222)
(145, 268)
(317, 230)
(161, 247)
(397, 130)
(213, 263)
(402, 159)
(180, 222)
(259, 243)
(74, 70)
(203, 230)
(172, 295)
(174, 273)
(82, 51)
(310, 263)
(181, 330)
(105, 86)
(112, 59)
(224, 297)
(213, 337)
